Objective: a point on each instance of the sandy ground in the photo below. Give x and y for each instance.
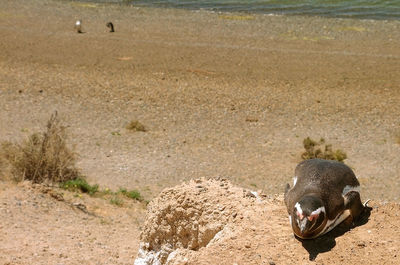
(214, 222)
(228, 95)
(40, 225)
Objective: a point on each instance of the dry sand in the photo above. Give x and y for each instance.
(228, 95)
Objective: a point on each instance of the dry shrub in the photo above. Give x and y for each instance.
(313, 150)
(136, 126)
(43, 157)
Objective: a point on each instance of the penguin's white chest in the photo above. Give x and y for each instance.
(330, 224)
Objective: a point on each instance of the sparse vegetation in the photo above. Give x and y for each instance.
(321, 150)
(80, 184)
(116, 201)
(136, 126)
(116, 133)
(133, 194)
(43, 157)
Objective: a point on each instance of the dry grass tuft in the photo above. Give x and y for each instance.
(136, 126)
(313, 150)
(43, 157)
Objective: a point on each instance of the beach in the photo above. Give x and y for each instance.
(193, 78)
(221, 94)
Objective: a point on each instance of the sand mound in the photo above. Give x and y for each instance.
(189, 217)
(214, 222)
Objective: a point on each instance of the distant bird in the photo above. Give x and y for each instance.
(110, 26)
(78, 26)
(324, 194)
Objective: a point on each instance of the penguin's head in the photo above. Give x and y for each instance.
(308, 216)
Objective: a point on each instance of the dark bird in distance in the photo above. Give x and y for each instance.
(110, 25)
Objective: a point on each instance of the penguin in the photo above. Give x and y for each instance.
(324, 194)
(110, 26)
(78, 26)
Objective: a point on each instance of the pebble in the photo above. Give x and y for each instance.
(361, 244)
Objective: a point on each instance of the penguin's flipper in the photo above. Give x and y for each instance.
(286, 196)
(366, 203)
(366, 212)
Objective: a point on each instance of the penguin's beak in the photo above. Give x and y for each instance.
(303, 225)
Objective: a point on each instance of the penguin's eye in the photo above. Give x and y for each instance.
(312, 217)
(300, 216)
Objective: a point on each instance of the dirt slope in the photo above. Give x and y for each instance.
(44, 225)
(200, 222)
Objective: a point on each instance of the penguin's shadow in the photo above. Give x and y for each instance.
(328, 241)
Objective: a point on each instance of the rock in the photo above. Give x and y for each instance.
(81, 207)
(361, 244)
(56, 195)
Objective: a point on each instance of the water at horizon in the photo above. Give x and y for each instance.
(362, 9)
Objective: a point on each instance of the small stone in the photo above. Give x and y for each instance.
(56, 195)
(251, 194)
(361, 244)
(251, 119)
(81, 207)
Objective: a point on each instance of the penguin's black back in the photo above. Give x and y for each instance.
(325, 179)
